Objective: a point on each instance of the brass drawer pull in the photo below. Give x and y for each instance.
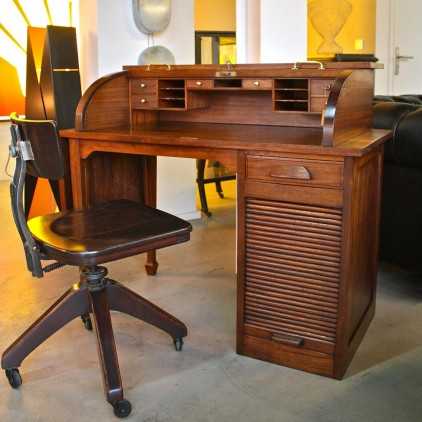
(298, 172)
(199, 83)
(257, 83)
(144, 100)
(288, 340)
(143, 85)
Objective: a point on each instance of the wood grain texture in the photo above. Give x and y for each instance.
(270, 351)
(349, 107)
(360, 254)
(275, 300)
(231, 137)
(105, 104)
(295, 193)
(332, 69)
(241, 107)
(309, 172)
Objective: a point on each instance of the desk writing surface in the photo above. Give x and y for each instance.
(234, 137)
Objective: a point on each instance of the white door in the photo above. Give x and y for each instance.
(407, 47)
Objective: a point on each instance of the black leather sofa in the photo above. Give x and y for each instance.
(401, 220)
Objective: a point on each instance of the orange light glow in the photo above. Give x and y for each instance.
(15, 17)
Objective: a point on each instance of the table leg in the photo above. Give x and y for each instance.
(150, 192)
(77, 174)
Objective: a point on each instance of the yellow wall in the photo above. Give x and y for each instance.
(360, 25)
(215, 15)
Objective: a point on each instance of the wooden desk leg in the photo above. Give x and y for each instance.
(150, 191)
(77, 173)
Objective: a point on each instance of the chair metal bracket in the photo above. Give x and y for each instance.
(25, 150)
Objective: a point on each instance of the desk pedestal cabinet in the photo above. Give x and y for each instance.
(309, 179)
(307, 267)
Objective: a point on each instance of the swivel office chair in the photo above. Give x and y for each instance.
(85, 239)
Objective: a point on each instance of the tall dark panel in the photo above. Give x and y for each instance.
(34, 103)
(53, 92)
(60, 78)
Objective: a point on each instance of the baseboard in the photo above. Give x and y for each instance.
(189, 216)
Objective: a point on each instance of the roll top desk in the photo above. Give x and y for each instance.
(309, 169)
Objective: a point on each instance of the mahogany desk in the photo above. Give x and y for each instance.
(309, 175)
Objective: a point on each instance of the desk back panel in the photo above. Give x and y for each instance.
(242, 107)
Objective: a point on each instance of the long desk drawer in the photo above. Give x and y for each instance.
(284, 170)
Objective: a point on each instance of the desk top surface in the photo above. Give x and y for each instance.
(235, 137)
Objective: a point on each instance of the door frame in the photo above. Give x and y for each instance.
(385, 41)
(213, 34)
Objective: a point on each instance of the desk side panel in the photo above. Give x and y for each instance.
(362, 198)
(105, 104)
(349, 110)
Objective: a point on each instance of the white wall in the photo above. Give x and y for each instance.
(110, 40)
(383, 83)
(248, 31)
(87, 24)
(284, 31)
(272, 31)
(120, 42)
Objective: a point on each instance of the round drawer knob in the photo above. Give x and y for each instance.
(256, 83)
(143, 101)
(143, 85)
(199, 83)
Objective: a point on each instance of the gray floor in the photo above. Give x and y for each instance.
(207, 381)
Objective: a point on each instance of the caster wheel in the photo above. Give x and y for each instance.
(14, 377)
(86, 319)
(178, 344)
(122, 408)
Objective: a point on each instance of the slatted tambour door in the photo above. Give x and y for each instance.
(293, 271)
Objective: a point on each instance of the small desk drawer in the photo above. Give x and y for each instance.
(321, 87)
(145, 101)
(144, 86)
(200, 84)
(285, 170)
(257, 84)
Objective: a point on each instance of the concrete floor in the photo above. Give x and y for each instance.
(207, 382)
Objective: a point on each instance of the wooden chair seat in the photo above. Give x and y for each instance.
(106, 232)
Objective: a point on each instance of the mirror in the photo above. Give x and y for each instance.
(151, 15)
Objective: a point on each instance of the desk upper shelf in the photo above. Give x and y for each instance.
(333, 106)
